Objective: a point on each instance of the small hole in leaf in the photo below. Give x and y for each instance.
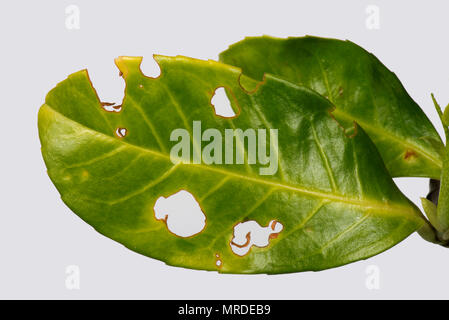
(181, 213)
(218, 262)
(121, 132)
(221, 104)
(250, 233)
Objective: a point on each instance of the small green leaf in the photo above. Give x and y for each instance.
(361, 88)
(446, 116)
(443, 198)
(441, 115)
(430, 210)
(331, 193)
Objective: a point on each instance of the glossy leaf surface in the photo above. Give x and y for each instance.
(332, 193)
(361, 88)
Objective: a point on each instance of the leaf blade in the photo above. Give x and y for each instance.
(114, 191)
(361, 88)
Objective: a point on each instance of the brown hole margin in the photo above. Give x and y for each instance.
(248, 238)
(118, 133)
(234, 98)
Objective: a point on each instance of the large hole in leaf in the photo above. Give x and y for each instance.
(109, 86)
(250, 233)
(182, 214)
(150, 68)
(221, 104)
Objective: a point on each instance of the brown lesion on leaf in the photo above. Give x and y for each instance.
(273, 227)
(107, 104)
(410, 154)
(273, 235)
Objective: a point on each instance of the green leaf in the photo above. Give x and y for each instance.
(432, 231)
(361, 88)
(443, 121)
(445, 118)
(331, 193)
(443, 198)
(442, 213)
(430, 210)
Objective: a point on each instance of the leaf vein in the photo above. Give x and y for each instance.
(149, 123)
(381, 207)
(96, 159)
(151, 184)
(324, 159)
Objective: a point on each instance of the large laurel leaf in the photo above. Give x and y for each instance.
(331, 192)
(361, 88)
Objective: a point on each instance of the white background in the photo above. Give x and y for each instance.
(40, 236)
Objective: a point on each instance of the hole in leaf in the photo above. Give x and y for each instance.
(150, 68)
(250, 233)
(221, 104)
(121, 132)
(218, 262)
(108, 86)
(181, 213)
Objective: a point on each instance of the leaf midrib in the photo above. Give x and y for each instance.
(366, 204)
